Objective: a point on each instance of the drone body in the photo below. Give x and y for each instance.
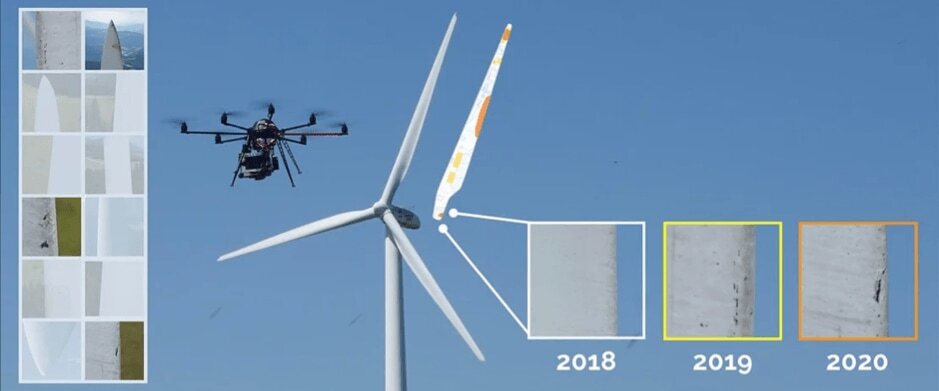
(258, 158)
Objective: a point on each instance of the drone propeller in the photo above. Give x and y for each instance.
(227, 114)
(265, 104)
(261, 104)
(232, 113)
(342, 125)
(314, 114)
(183, 127)
(320, 112)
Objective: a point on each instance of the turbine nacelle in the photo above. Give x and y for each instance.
(406, 218)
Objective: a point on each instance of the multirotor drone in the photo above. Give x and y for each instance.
(257, 159)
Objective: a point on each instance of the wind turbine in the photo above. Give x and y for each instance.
(397, 244)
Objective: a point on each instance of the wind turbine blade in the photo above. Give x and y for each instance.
(117, 165)
(417, 266)
(316, 227)
(455, 173)
(47, 341)
(104, 228)
(57, 40)
(47, 108)
(403, 161)
(62, 170)
(111, 52)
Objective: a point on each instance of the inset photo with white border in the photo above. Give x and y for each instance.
(116, 102)
(114, 164)
(52, 164)
(51, 40)
(51, 103)
(114, 227)
(50, 350)
(115, 39)
(52, 288)
(586, 280)
(115, 288)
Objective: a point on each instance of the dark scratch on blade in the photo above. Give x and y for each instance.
(215, 313)
(355, 319)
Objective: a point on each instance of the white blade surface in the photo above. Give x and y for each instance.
(47, 108)
(117, 165)
(455, 173)
(130, 103)
(319, 226)
(120, 292)
(111, 52)
(63, 290)
(406, 153)
(58, 35)
(62, 178)
(102, 351)
(104, 228)
(423, 275)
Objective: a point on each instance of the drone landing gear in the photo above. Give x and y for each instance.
(237, 168)
(280, 146)
(290, 153)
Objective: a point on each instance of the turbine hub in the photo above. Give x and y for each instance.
(379, 208)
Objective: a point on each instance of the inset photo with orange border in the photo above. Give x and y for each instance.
(858, 281)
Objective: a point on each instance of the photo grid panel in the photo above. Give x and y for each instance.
(83, 195)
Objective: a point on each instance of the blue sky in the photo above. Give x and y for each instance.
(655, 111)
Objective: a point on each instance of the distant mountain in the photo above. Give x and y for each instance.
(131, 45)
(135, 28)
(93, 25)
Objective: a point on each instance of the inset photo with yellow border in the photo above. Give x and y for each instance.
(722, 281)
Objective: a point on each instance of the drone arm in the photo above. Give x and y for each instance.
(236, 126)
(214, 133)
(293, 141)
(233, 139)
(317, 134)
(296, 127)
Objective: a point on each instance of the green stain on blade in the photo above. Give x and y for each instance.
(68, 218)
(131, 350)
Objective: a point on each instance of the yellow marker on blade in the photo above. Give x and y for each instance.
(455, 173)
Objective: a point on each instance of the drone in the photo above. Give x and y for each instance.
(258, 159)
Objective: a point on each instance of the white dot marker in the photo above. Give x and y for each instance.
(454, 213)
(442, 228)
